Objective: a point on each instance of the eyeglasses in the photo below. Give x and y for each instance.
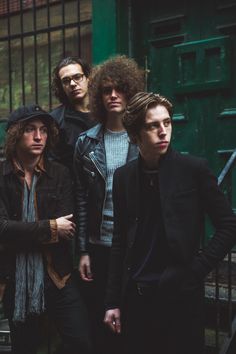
(76, 78)
(107, 90)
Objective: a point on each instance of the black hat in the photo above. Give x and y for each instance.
(24, 113)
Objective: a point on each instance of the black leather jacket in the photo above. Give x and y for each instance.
(90, 174)
(71, 124)
(54, 199)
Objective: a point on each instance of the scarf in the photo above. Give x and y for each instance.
(29, 276)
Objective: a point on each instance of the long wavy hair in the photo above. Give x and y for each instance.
(16, 131)
(57, 87)
(121, 71)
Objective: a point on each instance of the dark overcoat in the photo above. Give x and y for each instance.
(188, 192)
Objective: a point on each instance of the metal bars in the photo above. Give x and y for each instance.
(35, 52)
(34, 36)
(223, 349)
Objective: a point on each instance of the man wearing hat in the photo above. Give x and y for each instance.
(36, 229)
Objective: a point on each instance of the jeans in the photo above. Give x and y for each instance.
(103, 339)
(67, 310)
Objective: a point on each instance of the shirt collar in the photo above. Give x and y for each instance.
(19, 170)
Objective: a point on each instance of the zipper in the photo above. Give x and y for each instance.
(90, 172)
(91, 155)
(85, 157)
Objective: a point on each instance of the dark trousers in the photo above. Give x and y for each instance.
(66, 308)
(103, 339)
(154, 324)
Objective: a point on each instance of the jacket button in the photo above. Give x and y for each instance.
(136, 219)
(128, 269)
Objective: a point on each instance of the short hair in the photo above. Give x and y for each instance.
(16, 131)
(57, 87)
(136, 110)
(121, 71)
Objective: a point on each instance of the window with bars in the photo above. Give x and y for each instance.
(34, 36)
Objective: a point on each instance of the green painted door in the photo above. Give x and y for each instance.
(189, 51)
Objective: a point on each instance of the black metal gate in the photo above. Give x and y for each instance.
(34, 36)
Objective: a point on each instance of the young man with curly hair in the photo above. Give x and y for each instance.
(155, 294)
(70, 86)
(99, 151)
(36, 231)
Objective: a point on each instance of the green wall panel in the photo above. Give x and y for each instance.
(104, 29)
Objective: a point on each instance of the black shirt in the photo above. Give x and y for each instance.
(151, 253)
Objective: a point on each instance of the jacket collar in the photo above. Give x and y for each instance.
(132, 152)
(166, 176)
(96, 132)
(9, 167)
(62, 113)
(164, 160)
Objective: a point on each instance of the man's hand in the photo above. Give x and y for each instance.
(65, 227)
(112, 319)
(85, 268)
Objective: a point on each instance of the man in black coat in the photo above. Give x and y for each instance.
(36, 229)
(155, 291)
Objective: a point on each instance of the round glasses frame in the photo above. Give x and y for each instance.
(77, 78)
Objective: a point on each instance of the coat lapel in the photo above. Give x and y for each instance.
(133, 189)
(98, 155)
(166, 177)
(166, 182)
(133, 200)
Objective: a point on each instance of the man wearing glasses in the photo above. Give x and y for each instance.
(70, 86)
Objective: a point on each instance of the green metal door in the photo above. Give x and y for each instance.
(189, 51)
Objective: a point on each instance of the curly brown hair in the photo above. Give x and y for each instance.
(120, 70)
(15, 132)
(57, 87)
(136, 110)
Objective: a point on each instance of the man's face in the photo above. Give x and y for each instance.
(74, 82)
(155, 135)
(34, 139)
(113, 98)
